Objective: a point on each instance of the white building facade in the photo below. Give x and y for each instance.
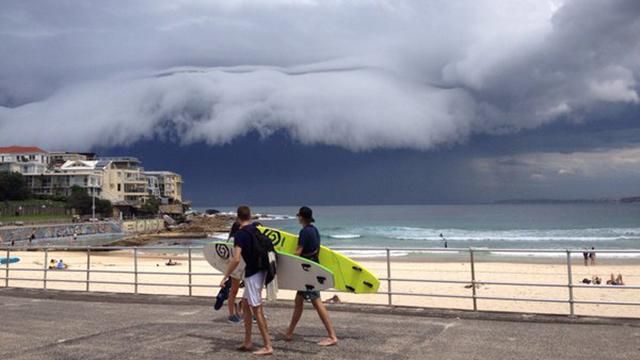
(121, 180)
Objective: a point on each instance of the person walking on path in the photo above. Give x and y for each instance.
(309, 248)
(254, 281)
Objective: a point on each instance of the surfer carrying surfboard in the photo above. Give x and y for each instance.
(254, 281)
(309, 247)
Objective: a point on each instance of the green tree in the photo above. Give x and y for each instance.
(151, 206)
(104, 207)
(13, 187)
(82, 202)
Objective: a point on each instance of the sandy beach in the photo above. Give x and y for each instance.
(152, 270)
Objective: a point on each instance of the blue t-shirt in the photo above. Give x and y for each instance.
(244, 239)
(309, 240)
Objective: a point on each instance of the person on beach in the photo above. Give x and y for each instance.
(585, 255)
(446, 245)
(309, 248)
(254, 281)
(615, 280)
(592, 256)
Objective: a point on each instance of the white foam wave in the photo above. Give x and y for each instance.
(561, 254)
(518, 238)
(219, 236)
(372, 253)
(394, 253)
(345, 236)
(427, 234)
(274, 217)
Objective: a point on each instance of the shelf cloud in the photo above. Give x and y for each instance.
(360, 74)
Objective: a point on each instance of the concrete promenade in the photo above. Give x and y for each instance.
(68, 325)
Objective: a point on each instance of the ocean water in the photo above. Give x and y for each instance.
(579, 226)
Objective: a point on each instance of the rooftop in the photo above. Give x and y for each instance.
(165, 173)
(21, 150)
(129, 159)
(82, 165)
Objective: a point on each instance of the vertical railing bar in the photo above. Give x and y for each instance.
(570, 284)
(190, 283)
(135, 270)
(389, 276)
(46, 268)
(6, 274)
(88, 268)
(473, 280)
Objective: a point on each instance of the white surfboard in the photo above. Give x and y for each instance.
(293, 272)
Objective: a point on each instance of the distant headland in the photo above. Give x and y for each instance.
(624, 200)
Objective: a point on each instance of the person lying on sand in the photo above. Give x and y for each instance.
(596, 280)
(617, 281)
(172, 263)
(333, 300)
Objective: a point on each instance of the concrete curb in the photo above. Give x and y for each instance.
(368, 309)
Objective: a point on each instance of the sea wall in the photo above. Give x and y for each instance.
(20, 233)
(53, 231)
(142, 226)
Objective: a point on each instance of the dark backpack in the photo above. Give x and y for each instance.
(262, 248)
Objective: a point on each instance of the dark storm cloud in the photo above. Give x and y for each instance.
(357, 74)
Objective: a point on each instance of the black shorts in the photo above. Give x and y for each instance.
(309, 295)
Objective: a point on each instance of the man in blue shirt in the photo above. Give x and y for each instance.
(254, 280)
(309, 247)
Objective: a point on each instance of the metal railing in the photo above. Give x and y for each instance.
(472, 282)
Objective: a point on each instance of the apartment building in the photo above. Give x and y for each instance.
(58, 158)
(124, 181)
(166, 185)
(121, 180)
(27, 160)
(59, 181)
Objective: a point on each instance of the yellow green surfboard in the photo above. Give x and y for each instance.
(348, 275)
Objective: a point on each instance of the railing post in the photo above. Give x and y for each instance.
(389, 276)
(135, 270)
(570, 284)
(473, 279)
(46, 268)
(6, 269)
(190, 283)
(88, 267)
